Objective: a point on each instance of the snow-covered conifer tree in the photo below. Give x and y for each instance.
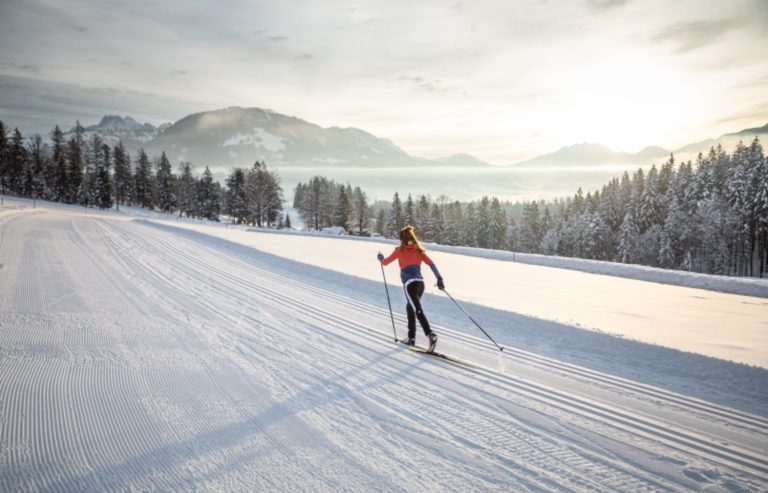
(122, 176)
(396, 218)
(166, 188)
(143, 182)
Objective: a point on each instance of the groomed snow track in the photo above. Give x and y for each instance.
(134, 355)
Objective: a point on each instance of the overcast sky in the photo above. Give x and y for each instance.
(504, 80)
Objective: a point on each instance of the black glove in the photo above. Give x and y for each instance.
(440, 284)
(380, 256)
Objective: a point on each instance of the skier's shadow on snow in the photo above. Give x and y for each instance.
(163, 462)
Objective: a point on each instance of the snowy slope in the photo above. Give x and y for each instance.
(139, 355)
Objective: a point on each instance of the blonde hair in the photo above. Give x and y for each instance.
(408, 235)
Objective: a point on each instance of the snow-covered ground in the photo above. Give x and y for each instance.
(146, 353)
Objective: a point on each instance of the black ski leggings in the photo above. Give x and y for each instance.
(413, 292)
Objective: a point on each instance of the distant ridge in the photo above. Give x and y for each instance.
(240, 136)
(728, 141)
(237, 136)
(594, 154)
(591, 154)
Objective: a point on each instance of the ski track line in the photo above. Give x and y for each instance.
(301, 430)
(572, 464)
(688, 440)
(683, 401)
(104, 418)
(658, 432)
(167, 381)
(516, 449)
(540, 472)
(331, 318)
(686, 402)
(40, 407)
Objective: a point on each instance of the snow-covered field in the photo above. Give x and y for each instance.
(145, 353)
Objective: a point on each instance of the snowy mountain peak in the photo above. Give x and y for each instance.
(238, 136)
(114, 128)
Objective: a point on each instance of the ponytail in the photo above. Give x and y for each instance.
(408, 235)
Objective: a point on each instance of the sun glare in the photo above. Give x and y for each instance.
(627, 102)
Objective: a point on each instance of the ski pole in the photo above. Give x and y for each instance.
(473, 320)
(392, 317)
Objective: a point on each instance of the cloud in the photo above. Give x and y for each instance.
(17, 67)
(37, 105)
(434, 86)
(421, 84)
(689, 36)
(606, 4)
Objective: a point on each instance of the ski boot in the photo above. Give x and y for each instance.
(432, 342)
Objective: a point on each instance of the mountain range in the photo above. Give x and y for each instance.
(239, 136)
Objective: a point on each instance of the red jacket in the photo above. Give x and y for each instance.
(410, 259)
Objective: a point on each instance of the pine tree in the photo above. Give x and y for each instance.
(436, 225)
(624, 196)
(483, 223)
(424, 220)
(628, 236)
(17, 164)
(610, 207)
(396, 218)
(361, 211)
(454, 223)
(298, 195)
(209, 206)
(649, 207)
(3, 156)
(498, 226)
(530, 228)
(381, 222)
(164, 182)
(469, 226)
(185, 190)
(75, 150)
(409, 211)
(93, 161)
(104, 180)
(264, 195)
(122, 175)
(343, 210)
(143, 182)
(35, 169)
(273, 195)
(317, 203)
(666, 173)
(236, 203)
(4, 152)
(59, 185)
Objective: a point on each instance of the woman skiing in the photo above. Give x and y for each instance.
(410, 254)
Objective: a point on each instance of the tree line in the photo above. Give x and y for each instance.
(708, 216)
(91, 173)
